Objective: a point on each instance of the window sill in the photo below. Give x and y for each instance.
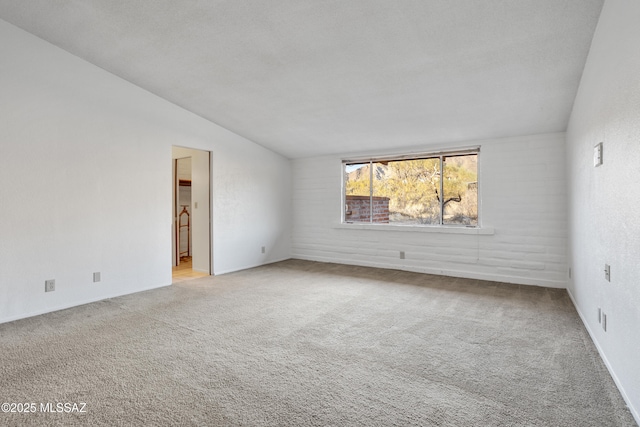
(419, 228)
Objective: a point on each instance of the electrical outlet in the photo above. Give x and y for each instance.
(604, 322)
(96, 277)
(401, 254)
(607, 272)
(49, 285)
(264, 249)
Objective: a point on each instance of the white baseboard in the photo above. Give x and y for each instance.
(444, 272)
(603, 356)
(245, 267)
(77, 304)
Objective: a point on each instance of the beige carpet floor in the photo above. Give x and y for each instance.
(300, 343)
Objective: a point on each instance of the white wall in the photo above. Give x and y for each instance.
(85, 173)
(605, 201)
(523, 192)
(251, 207)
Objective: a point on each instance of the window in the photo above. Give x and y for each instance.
(428, 189)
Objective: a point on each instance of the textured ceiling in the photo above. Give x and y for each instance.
(310, 77)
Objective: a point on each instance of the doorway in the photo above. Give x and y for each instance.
(191, 225)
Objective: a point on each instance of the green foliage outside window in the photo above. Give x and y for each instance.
(414, 189)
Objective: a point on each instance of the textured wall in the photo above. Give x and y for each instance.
(85, 161)
(605, 201)
(523, 198)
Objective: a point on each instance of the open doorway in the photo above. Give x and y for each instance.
(191, 226)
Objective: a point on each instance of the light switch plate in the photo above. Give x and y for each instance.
(597, 155)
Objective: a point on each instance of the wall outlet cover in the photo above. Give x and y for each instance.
(597, 155)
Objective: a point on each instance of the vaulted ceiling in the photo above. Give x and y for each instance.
(312, 77)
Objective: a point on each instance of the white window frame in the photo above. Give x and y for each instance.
(412, 156)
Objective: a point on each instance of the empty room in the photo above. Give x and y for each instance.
(314, 213)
